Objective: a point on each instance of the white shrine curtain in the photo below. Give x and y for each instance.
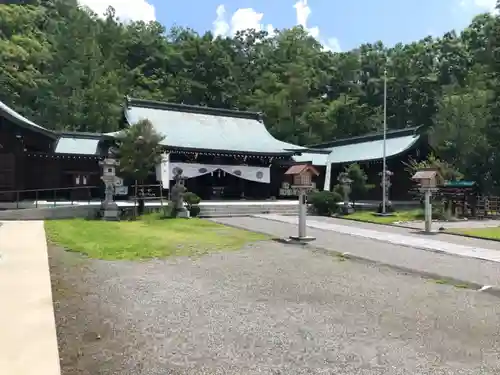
(191, 170)
(256, 174)
(163, 171)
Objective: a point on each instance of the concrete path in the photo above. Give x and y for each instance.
(472, 271)
(422, 242)
(413, 232)
(28, 341)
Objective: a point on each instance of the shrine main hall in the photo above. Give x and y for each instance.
(224, 154)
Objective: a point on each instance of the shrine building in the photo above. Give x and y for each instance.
(224, 154)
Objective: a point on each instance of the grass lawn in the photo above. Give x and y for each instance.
(150, 237)
(487, 233)
(368, 216)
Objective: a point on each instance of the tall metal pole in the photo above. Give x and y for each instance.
(384, 152)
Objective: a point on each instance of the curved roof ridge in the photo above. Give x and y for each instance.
(196, 109)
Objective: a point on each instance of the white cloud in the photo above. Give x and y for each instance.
(303, 12)
(488, 5)
(242, 19)
(482, 5)
(126, 10)
(248, 18)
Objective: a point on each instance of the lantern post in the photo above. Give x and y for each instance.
(429, 179)
(302, 182)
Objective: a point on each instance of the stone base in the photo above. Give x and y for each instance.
(110, 211)
(111, 215)
(302, 239)
(346, 210)
(183, 214)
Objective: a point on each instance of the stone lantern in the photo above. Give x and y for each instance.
(346, 183)
(109, 208)
(178, 191)
(386, 184)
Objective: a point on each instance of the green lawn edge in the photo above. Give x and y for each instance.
(147, 238)
(371, 217)
(492, 233)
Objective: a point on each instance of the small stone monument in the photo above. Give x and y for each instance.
(178, 191)
(109, 208)
(346, 183)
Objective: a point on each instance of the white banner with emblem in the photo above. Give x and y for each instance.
(163, 171)
(251, 173)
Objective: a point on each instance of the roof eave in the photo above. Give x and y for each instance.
(28, 126)
(408, 148)
(367, 138)
(229, 152)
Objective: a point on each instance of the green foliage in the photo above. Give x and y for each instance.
(140, 150)
(325, 203)
(194, 211)
(446, 170)
(192, 202)
(191, 199)
(359, 185)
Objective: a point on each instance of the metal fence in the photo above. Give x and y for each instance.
(53, 196)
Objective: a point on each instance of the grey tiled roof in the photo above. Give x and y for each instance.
(192, 127)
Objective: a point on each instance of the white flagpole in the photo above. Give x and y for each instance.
(384, 152)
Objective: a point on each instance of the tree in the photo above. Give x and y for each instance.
(447, 171)
(359, 184)
(139, 152)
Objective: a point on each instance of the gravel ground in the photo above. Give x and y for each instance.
(267, 309)
(469, 270)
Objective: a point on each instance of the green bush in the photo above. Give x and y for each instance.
(194, 210)
(325, 203)
(191, 199)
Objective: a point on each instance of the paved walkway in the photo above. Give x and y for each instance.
(441, 236)
(380, 234)
(405, 257)
(28, 342)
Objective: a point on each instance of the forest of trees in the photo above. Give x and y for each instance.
(67, 68)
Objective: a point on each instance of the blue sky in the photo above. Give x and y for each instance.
(335, 23)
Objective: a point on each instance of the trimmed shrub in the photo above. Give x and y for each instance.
(194, 210)
(191, 199)
(325, 203)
